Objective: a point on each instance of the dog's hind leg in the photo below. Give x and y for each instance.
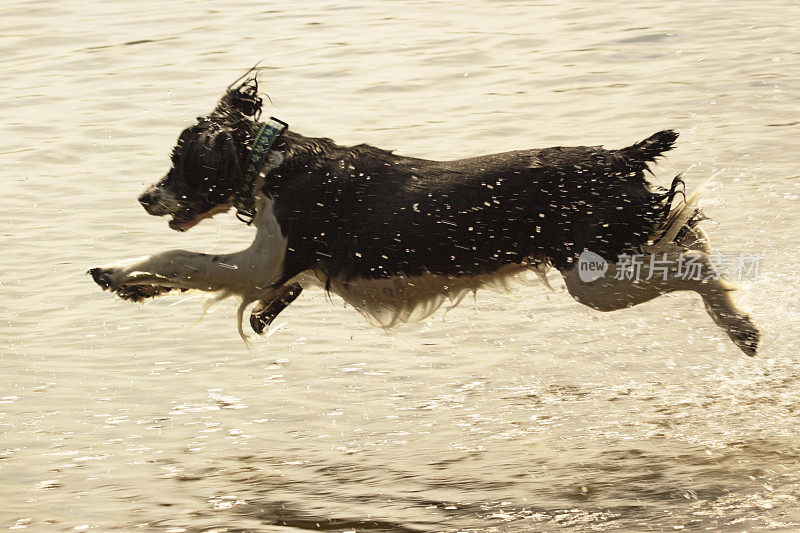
(646, 276)
(696, 239)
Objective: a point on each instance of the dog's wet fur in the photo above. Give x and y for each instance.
(360, 221)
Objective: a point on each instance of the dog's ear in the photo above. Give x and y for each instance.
(223, 158)
(212, 158)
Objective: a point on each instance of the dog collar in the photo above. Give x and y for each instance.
(243, 198)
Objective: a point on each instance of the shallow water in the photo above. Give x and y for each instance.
(511, 413)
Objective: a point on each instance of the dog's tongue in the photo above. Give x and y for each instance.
(180, 224)
(186, 218)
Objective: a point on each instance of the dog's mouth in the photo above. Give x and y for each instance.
(186, 218)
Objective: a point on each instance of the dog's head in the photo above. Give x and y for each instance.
(207, 161)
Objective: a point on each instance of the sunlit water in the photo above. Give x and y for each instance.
(525, 412)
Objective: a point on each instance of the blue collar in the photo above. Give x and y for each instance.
(243, 199)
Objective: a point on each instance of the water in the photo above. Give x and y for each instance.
(511, 413)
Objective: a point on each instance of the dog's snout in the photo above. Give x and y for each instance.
(148, 199)
(158, 201)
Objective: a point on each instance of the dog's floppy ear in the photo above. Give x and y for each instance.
(213, 158)
(223, 158)
(228, 156)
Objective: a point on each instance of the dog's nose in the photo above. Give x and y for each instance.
(147, 199)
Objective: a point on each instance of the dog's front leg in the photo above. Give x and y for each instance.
(250, 273)
(269, 308)
(179, 269)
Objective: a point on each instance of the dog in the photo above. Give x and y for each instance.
(397, 236)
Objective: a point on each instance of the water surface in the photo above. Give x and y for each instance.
(511, 413)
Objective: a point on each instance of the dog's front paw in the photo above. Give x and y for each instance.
(138, 293)
(107, 278)
(267, 310)
(114, 279)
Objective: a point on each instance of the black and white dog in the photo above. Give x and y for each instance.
(397, 236)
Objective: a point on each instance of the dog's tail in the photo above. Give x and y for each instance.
(638, 156)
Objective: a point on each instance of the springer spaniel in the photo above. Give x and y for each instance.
(396, 236)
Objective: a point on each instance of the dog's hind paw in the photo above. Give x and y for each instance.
(744, 334)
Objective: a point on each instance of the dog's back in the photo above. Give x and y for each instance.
(380, 215)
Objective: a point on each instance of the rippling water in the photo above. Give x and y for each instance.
(510, 413)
